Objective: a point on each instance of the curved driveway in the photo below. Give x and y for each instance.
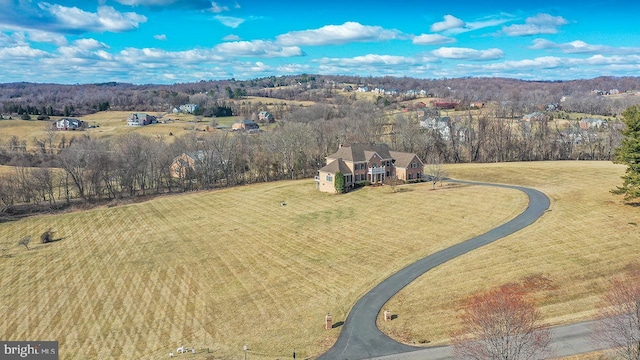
(360, 338)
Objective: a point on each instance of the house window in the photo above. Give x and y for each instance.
(414, 165)
(410, 176)
(329, 178)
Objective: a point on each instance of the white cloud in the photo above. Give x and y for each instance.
(490, 22)
(47, 37)
(215, 8)
(231, 37)
(230, 21)
(450, 22)
(161, 37)
(539, 24)
(432, 39)
(370, 59)
(258, 48)
(188, 4)
(146, 2)
(468, 54)
(106, 19)
(581, 47)
(338, 34)
(24, 52)
(90, 44)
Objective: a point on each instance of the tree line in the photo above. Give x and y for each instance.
(521, 96)
(60, 169)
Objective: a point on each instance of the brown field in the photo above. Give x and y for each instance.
(268, 102)
(586, 238)
(110, 124)
(223, 268)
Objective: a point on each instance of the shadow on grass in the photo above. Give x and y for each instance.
(55, 240)
(337, 325)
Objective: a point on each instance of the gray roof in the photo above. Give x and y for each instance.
(337, 166)
(359, 153)
(404, 159)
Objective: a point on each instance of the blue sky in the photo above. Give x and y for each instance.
(169, 41)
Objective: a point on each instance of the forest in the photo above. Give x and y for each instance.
(60, 171)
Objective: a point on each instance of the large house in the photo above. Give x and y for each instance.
(140, 119)
(69, 124)
(265, 116)
(246, 125)
(373, 163)
(184, 166)
(186, 108)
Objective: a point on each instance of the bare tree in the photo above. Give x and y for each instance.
(435, 171)
(618, 327)
(25, 241)
(502, 323)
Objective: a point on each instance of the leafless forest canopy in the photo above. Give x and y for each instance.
(54, 99)
(59, 170)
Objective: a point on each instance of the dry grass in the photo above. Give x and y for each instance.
(223, 268)
(109, 124)
(588, 236)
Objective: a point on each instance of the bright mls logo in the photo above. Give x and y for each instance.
(41, 350)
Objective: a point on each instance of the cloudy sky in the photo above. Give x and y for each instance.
(169, 41)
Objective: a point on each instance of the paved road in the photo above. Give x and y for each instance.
(360, 338)
(566, 340)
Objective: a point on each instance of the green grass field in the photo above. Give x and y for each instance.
(230, 267)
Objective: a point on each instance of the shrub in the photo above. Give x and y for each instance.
(25, 117)
(46, 236)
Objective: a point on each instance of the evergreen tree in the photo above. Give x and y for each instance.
(629, 154)
(338, 182)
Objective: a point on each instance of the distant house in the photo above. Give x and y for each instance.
(245, 125)
(592, 123)
(184, 166)
(362, 89)
(265, 116)
(444, 125)
(439, 124)
(373, 163)
(186, 108)
(69, 124)
(535, 116)
(476, 105)
(441, 104)
(140, 119)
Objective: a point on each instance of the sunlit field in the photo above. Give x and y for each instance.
(111, 124)
(587, 237)
(225, 268)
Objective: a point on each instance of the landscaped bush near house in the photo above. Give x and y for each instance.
(25, 117)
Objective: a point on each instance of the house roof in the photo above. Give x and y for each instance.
(359, 153)
(337, 166)
(404, 159)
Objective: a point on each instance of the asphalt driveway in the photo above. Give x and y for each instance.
(360, 338)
